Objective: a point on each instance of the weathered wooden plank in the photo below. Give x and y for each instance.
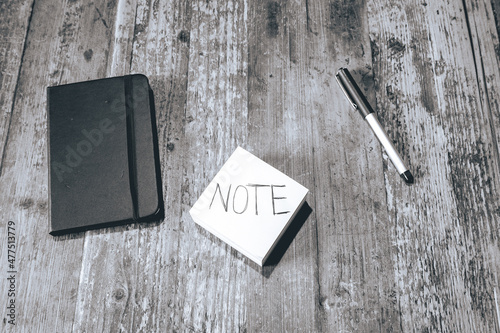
(107, 264)
(131, 275)
(14, 21)
(65, 42)
(356, 285)
(206, 294)
(211, 278)
(446, 234)
(485, 29)
(279, 131)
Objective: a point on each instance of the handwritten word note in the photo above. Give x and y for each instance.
(249, 204)
(243, 198)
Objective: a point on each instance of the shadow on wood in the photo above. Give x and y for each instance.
(285, 240)
(109, 230)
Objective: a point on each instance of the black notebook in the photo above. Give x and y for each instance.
(103, 154)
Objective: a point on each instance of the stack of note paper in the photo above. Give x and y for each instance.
(249, 205)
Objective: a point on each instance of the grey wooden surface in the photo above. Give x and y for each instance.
(373, 255)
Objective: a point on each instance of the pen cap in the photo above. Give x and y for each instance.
(352, 92)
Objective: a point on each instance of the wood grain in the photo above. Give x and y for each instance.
(352, 224)
(274, 115)
(71, 46)
(431, 102)
(373, 255)
(14, 26)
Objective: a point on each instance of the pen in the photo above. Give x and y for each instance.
(359, 102)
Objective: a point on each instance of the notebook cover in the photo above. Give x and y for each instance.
(249, 205)
(104, 165)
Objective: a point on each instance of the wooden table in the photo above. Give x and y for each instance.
(374, 253)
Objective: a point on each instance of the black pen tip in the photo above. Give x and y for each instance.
(408, 177)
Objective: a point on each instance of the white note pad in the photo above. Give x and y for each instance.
(249, 204)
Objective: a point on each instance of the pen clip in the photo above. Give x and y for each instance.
(346, 93)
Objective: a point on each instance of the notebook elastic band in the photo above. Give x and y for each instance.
(132, 163)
